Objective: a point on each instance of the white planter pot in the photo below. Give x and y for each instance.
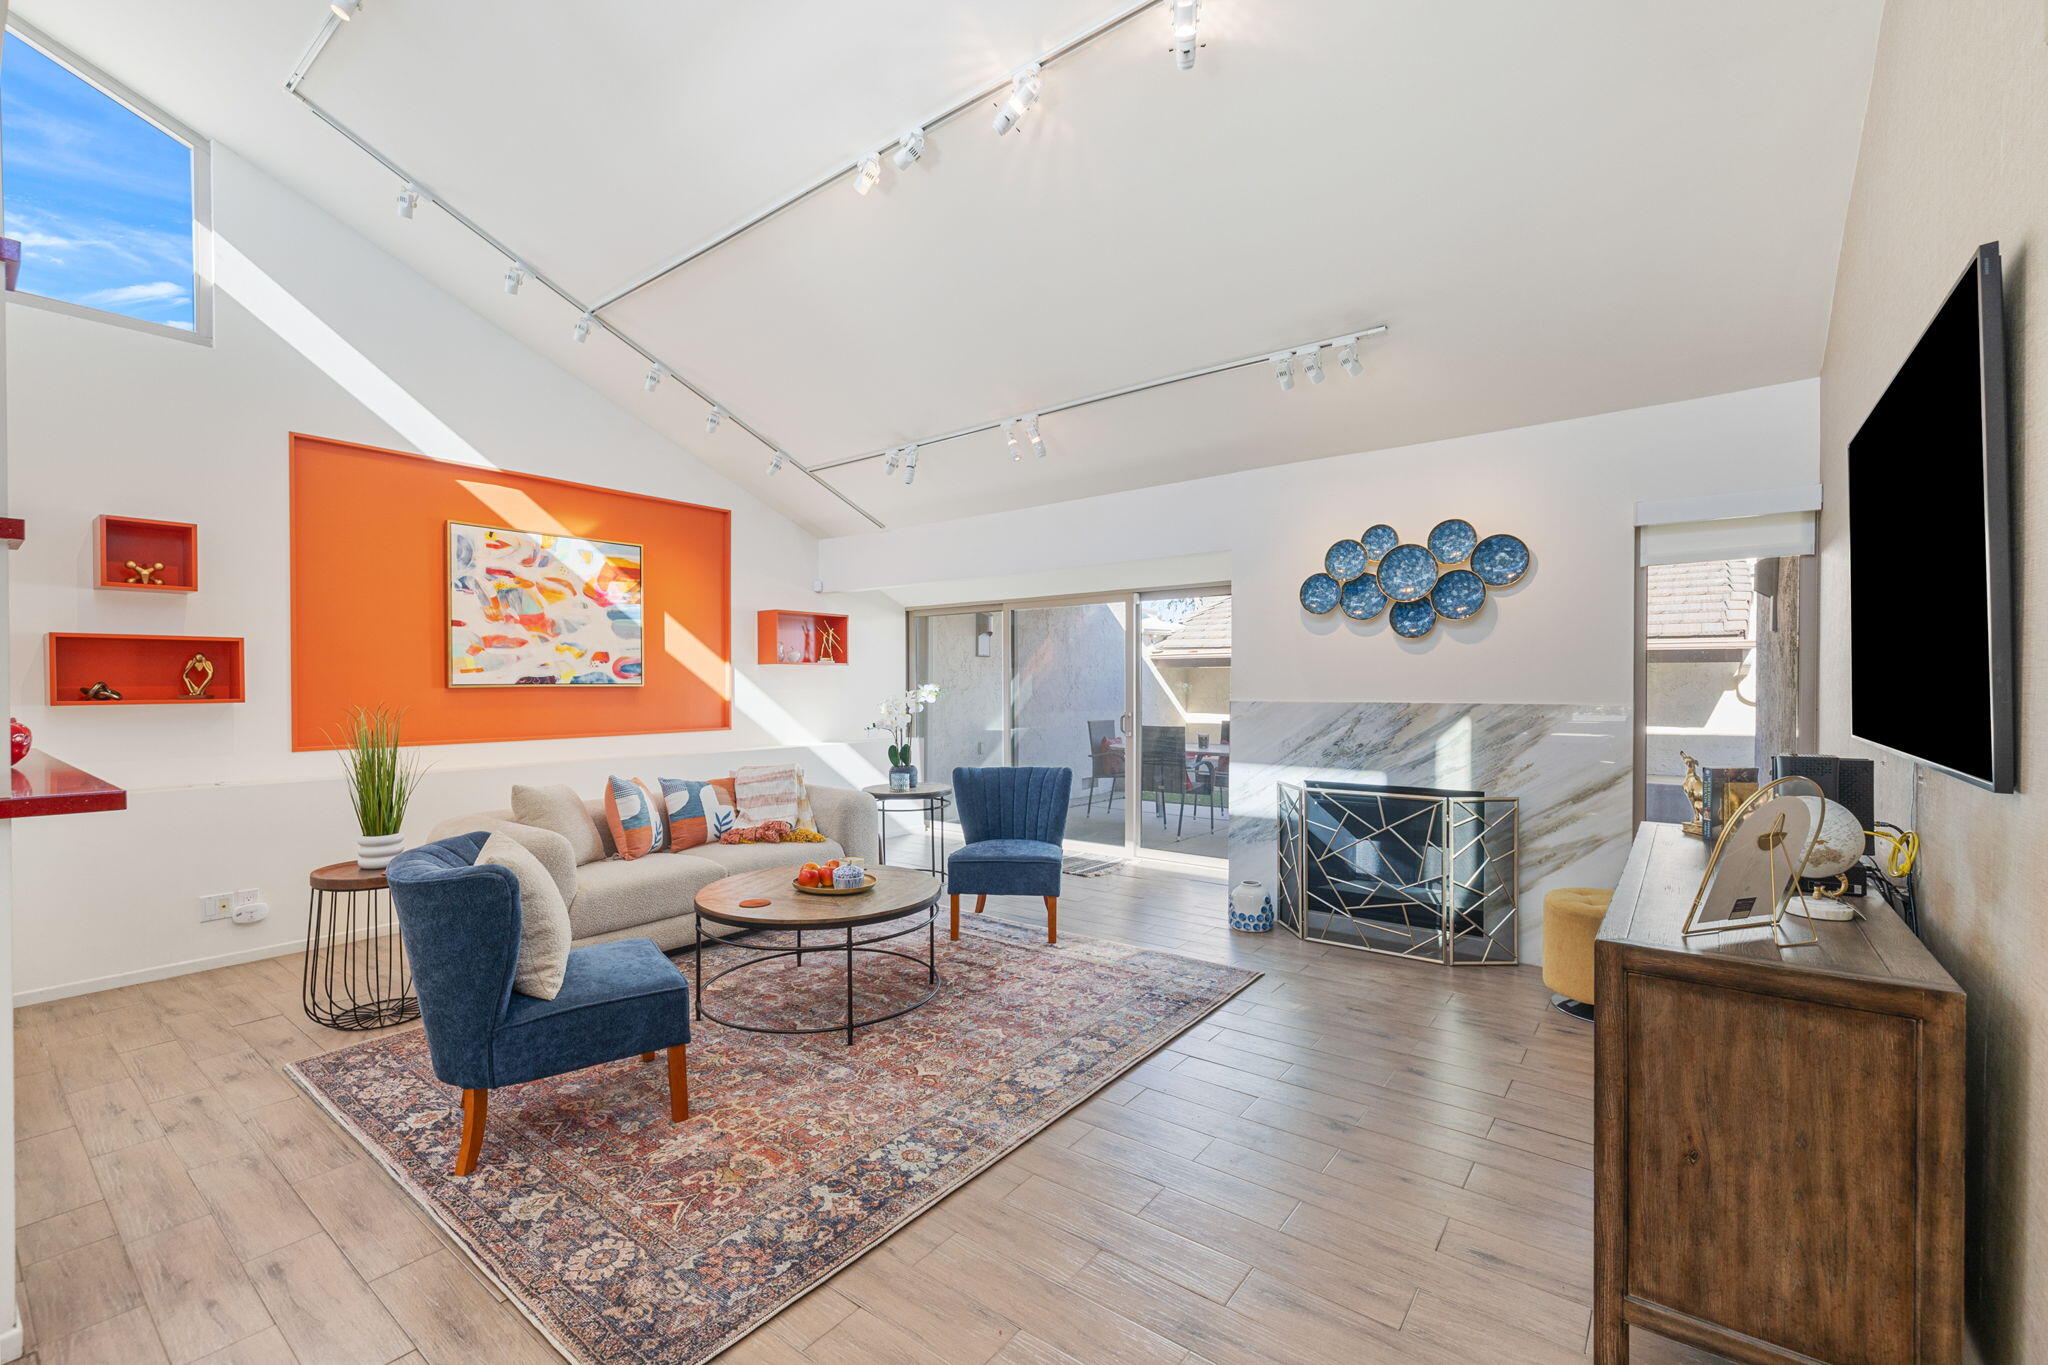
(375, 852)
(1251, 910)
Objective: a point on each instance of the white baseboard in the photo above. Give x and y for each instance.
(11, 1342)
(44, 994)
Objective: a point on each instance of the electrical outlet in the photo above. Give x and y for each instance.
(247, 896)
(216, 905)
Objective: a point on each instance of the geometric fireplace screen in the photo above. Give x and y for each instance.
(1412, 872)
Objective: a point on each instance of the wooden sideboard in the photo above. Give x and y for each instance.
(1779, 1143)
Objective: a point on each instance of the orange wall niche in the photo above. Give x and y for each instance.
(369, 593)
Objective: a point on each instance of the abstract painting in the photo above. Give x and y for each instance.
(527, 609)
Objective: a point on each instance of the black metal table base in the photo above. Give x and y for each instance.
(768, 953)
(934, 809)
(356, 974)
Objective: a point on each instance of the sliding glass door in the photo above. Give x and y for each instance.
(1128, 691)
(962, 652)
(1069, 694)
(1183, 724)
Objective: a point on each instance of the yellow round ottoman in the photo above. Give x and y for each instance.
(1571, 921)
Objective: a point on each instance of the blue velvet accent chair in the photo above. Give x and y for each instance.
(1013, 820)
(460, 921)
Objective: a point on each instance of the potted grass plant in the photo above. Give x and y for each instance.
(381, 780)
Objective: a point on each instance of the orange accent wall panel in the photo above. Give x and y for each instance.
(370, 608)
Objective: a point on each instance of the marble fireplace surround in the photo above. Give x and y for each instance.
(1568, 764)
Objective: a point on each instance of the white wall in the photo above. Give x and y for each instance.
(316, 331)
(1952, 148)
(10, 1318)
(1564, 635)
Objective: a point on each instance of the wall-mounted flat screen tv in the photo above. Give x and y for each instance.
(1930, 547)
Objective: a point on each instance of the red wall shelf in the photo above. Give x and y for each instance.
(144, 669)
(41, 785)
(174, 544)
(811, 637)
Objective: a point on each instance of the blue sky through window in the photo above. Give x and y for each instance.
(99, 197)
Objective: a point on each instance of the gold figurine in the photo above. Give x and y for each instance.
(828, 644)
(198, 666)
(1695, 792)
(147, 574)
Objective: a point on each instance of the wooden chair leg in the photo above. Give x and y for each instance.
(646, 1056)
(475, 1105)
(1052, 919)
(679, 1082)
(956, 919)
(980, 904)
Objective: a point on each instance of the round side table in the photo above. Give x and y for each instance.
(356, 973)
(931, 798)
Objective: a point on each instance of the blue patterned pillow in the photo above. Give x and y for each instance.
(697, 812)
(631, 811)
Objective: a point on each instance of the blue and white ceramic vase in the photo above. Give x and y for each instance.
(902, 777)
(1251, 909)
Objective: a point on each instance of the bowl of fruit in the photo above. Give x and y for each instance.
(838, 877)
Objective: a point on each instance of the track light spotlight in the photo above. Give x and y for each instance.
(895, 458)
(581, 331)
(712, 419)
(346, 9)
(776, 463)
(1283, 370)
(655, 374)
(409, 198)
(1014, 435)
(867, 173)
(1024, 89)
(909, 148)
(1311, 358)
(1347, 356)
(1031, 435)
(1181, 16)
(910, 466)
(515, 275)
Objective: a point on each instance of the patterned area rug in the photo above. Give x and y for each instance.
(630, 1239)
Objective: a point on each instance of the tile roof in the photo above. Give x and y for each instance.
(1707, 602)
(1207, 632)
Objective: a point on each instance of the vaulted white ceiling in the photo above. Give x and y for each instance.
(1557, 209)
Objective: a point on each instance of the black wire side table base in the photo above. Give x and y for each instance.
(845, 948)
(932, 801)
(356, 975)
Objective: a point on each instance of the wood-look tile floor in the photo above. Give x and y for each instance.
(1356, 1160)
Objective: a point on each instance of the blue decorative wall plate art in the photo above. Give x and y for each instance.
(1445, 578)
(1452, 541)
(1458, 594)
(1319, 594)
(1363, 599)
(1345, 560)
(1407, 573)
(1413, 620)
(1500, 560)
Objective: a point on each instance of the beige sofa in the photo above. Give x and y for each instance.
(651, 897)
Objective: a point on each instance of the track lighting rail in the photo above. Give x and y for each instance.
(918, 130)
(999, 423)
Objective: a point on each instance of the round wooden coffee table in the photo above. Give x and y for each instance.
(898, 894)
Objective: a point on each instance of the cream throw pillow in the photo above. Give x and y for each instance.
(771, 792)
(544, 931)
(560, 809)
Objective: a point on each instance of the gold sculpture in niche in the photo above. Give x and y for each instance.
(147, 574)
(196, 675)
(1695, 792)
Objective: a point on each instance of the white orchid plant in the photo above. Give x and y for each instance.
(897, 713)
